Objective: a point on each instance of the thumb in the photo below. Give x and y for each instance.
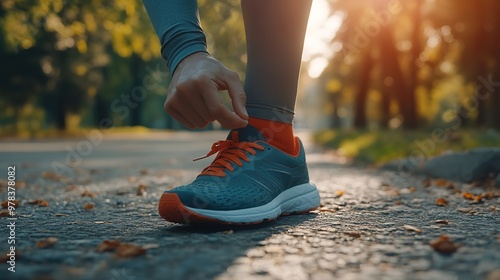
(237, 94)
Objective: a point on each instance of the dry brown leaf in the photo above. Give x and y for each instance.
(125, 250)
(444, 183)
(5, 204)
(46, 242)
(88, 193)
(326, 209)
(441, 202)
(478, 198)
(412, 228)
(88, 206)
(468, 195)
(71, 188)
(412, 189)
(39, 202)
(443, 222)
(443, 245)
(490, 195)
(108, 245)
(52, 176)
(141, 190)
(4, 213)
(427, 183)
(353, 234)
(20, 184)
(339, 193)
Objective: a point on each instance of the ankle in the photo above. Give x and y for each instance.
(277, 134)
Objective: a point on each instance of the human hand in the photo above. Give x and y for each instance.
(193, 95)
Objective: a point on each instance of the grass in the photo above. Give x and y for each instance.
(74, 132)
(378, 147)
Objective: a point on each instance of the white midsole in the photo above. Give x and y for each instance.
(296, 199)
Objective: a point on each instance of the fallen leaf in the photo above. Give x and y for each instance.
(108, 245)
(493, 275)
(326, 209)
(39, 202)
(443, 222)
(426, 183)
(478, 198)
(46, 242)
(52, 176)
(125, 250)
(5, 204)
(353, 234)
(490, 195)
(88, 206)
(4, 213)
(468, 195)
(20, 184)
(5, 258)
(88, 193)
(76, 271)
(412, 228)
(71, 188)
(465, 210)
(412, 189)
(443, 245)
(60, 215)
(441, 202)
(444, 183)
(141, 190)
(339, 193)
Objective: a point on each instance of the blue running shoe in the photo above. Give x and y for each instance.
(249, 182)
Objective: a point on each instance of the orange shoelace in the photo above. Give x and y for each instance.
(229, 151)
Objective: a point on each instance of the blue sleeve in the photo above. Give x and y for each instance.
(177, 24)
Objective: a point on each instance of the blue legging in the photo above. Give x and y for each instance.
(275, 31)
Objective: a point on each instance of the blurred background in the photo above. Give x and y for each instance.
(378, 75)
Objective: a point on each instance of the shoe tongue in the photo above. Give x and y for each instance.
(246, 134)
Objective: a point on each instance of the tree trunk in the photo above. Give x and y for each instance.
(136, 113)
(362, 94)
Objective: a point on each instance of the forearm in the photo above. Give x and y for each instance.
(178, 27)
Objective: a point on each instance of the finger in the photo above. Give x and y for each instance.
(192, 115)
(237, 94)
(178, 116)
(219, 112)
(200, 107)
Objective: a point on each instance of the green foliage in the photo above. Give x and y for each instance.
(384, 145)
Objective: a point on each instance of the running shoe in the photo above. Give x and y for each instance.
(249, 182)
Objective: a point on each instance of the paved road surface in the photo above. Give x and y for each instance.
(359, 233)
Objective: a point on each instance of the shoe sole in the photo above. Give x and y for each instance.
(296, 200)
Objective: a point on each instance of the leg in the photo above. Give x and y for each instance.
(275, 31)
(260, 171)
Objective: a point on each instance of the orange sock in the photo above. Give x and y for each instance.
(278, 134)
